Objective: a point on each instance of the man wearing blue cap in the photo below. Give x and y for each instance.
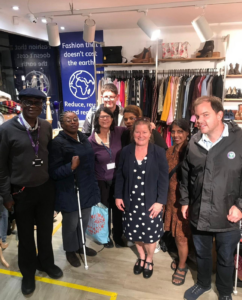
(25, 186)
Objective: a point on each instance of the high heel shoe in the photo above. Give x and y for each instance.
(234, 94)
(147, 273)
(138, 269)
(229, 92)
(207, 50)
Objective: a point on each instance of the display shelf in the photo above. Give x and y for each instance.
(191, 59)
(232, 99)
(234, 76)
(125, 65)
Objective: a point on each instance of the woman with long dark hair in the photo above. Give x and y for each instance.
(174, 222)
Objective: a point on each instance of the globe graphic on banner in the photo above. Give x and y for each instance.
(37, 80)
(82, 84)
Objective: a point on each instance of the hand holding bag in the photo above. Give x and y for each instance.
(97, 227)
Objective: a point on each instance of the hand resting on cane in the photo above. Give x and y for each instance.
(75, 162)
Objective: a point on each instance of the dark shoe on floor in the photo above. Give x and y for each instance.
(195, 292)
(225, 297)
(138, 269)
(119, 243)
(147, 273)
(109, 244)
(73, 259)
(179, 275)
(28, 286)
(53, 272)
(89, 251)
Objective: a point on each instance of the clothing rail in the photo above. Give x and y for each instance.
(179, 72)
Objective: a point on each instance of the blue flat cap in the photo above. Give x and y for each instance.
(31, 92)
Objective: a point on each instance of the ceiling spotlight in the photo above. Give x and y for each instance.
(53, 34)
(15, 7)
(89, 30)
(62, 28)
(44, 20)
(202, 28)
(149, 28)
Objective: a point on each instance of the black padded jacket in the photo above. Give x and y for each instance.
(211, 181)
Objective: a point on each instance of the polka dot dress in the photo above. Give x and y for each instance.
(137, 225)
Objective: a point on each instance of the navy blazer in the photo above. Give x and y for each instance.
(156, 176)
(61, 150)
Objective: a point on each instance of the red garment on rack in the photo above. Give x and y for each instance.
(122, 93)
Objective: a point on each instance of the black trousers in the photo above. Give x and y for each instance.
(71, 230)
(114, 214)
(35, 205)
(225, 245)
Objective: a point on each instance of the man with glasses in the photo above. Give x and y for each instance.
(110, 96)
(26, 188)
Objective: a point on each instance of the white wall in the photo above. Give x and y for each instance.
(25, 27)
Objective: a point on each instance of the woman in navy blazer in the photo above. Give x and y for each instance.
(141, 191)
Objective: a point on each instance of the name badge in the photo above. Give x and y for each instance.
(111, 166)
(37, 162)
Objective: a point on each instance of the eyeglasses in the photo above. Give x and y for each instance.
(32, 103)
(105, 117)
(75, 120)
(109, 98)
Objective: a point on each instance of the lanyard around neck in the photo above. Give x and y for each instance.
(34, 145)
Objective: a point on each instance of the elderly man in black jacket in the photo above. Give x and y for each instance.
(26, 187)
(211, 195)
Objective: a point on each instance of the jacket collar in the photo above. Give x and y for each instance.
(68, 137)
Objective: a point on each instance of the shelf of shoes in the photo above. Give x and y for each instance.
(234, 76)
(232, 99)
(191, 59)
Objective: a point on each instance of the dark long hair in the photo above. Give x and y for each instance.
(184, 125)
(96, 119)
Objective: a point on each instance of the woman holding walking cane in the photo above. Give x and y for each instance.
(71, 165)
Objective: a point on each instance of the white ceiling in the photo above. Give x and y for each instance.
(161, 17)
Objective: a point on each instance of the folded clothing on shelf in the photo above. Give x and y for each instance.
(10, 107)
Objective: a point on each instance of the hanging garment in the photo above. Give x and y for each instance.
(190, 95)
(167, 103)
(204, 86)
(188, 81)
(154, 104)
(126, 92)
(170, 115)
(122, 93)
(161, 97)
(181, 97)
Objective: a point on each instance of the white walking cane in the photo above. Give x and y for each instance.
(237, 266)
(81, 225)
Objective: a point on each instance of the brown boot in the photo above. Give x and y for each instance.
(231, 70)
(236, 69)
(142, 54)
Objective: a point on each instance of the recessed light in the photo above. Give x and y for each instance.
(15, 7)
(62, 28)
(44, 20)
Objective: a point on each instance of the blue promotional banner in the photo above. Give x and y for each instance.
(34, 65)
(77, 71)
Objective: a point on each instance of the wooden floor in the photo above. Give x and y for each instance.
(110, 271)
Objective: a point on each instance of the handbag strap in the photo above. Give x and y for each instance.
(174, 170)
(125, 60)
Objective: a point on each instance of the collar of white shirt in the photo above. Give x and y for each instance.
(207, 144)
(26, 124)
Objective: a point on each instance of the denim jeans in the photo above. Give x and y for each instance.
(225, 246)
(3, 224)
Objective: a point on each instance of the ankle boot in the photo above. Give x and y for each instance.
(231, 70)
(146, 58)
(239, 93)
(142, 54)
(236, 69)
(207, 50)
(229, 92)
